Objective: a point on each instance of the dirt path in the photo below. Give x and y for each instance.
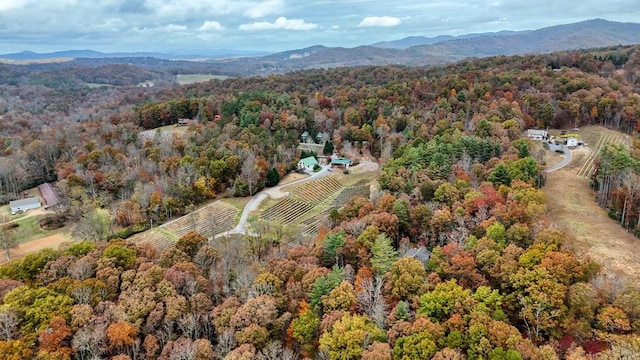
(572, 206)
(52, 241)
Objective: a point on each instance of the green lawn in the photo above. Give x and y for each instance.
(28, 229)
(5, 209)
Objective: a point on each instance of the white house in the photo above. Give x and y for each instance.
(307, 163)
(23, 205)
(539, 135)
(572, 142)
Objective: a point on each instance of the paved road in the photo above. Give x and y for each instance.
(564, 162)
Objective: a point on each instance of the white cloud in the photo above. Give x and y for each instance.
(175, 28)
(281, 23)
(211, 26)
(379, 21)
(256, 10)
(6, 5)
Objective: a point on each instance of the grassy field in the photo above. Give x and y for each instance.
(28, 230)
(572, 207)
(195, 78)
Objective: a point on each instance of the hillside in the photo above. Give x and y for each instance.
(412, 51)
(453, 252)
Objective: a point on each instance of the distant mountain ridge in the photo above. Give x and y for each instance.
(410, 51)
(92, 54)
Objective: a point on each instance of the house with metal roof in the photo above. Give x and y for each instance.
(307, 164)
(341, 162)
(22, 205)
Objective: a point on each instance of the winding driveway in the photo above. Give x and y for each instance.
(275, 192)
(257, 199)
(564, 162)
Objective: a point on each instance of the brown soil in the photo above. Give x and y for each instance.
(291, 178)
(52, 241)
(572, 207)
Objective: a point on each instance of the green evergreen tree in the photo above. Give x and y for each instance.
(328, 148)
(273, 177)
(500, 175)
(383, 254)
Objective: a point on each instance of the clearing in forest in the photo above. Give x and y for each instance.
(572, 207)
(209, 220)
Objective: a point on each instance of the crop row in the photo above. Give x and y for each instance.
(347, 193)
(316, 191)
(208, 221)
(311, 225)
(286, 211)
(589, 166)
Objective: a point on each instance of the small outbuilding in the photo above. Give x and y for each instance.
(22, 205)
(341, 162)
(307, 164)
(572, 142)
(49, 195)
(538, 135)
(304, 136)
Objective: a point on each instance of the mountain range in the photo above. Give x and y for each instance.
(414, 51)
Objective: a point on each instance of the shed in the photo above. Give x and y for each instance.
(572, 142)
(304, 136)
(341, 162)
(307, 163)
(48, 194)
(23, 205)
(421, 253)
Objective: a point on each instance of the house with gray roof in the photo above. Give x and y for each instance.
(22, 205)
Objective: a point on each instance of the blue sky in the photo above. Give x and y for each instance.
(273, 25)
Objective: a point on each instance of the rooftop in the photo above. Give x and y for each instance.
(340, 161)
(24, 202)
(309, 161)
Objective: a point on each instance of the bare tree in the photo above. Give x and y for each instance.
(7, 240)
(249, 172)
(8, 324)
(226, 342)
(371, 301)
(631, 184)
(275, 351)
(89, 342)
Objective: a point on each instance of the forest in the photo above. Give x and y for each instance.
(454, 257)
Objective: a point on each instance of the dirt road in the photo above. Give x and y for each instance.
(572, 206)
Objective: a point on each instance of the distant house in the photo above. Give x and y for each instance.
(572, 142)
(538, 135)
(421, 253)
(341, 162)
(184, 122)
(307, 164)
(23, 205)
(49, 195)
(322, 137)
(304, 136)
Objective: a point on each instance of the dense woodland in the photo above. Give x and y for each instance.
(456, 179)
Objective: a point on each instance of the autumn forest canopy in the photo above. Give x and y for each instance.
(452, 256)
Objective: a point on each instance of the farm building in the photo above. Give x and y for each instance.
(539, 135)
(23, 205)
(304, 136)
(421, 253)
(184, 122)
(307, 163)
(49, 195)
(341, 162)
(572, 142)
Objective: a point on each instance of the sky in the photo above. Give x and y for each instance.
(184, 26)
